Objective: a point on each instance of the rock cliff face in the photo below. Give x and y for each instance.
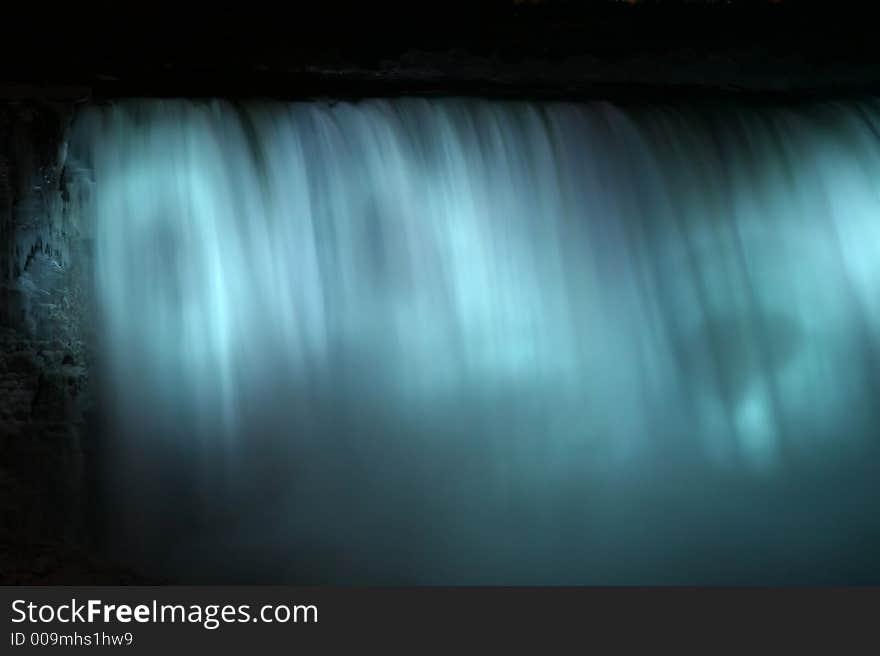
(44, 358)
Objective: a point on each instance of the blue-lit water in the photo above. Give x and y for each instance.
(470, 341)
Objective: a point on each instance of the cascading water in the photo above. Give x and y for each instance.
(467, 341)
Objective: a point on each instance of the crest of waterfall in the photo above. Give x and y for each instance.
(562, 287)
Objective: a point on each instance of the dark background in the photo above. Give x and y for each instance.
(498, 47)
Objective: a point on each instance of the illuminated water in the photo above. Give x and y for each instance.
(460, 340)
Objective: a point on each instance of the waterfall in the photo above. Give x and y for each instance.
(412, 326)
